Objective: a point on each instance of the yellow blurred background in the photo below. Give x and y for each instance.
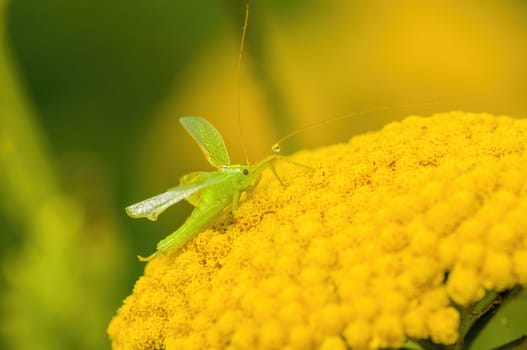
(91, 92)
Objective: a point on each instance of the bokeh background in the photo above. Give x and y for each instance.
(91, 92)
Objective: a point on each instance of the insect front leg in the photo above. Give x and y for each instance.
(235, 201)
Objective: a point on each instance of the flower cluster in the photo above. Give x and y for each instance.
(379, 242)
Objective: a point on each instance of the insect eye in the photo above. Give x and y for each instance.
(245, 172)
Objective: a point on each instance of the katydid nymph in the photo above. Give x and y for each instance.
(209, 192)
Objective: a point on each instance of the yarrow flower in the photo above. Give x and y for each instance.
(386, 239)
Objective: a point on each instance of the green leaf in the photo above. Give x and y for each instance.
(507, 328)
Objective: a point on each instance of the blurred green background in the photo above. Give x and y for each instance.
(91, 91)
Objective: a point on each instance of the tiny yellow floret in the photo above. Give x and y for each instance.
(520, 266)
(414, 324)
(334, 343)
(358, 334)
(464, 285)
(381, 239)
(443, 325)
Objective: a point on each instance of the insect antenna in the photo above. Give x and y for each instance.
(276, 146)
(240, 56)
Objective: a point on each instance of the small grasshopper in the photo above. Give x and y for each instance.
(209, 192)
(212, 192)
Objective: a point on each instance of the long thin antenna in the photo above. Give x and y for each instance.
(276, 146)
(240, 56)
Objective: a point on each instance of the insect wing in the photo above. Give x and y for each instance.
(208, 139)
(151, 208)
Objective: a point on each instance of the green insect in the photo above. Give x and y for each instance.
(209, 192)
(212, 192)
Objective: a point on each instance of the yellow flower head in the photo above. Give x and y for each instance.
(376, 244)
